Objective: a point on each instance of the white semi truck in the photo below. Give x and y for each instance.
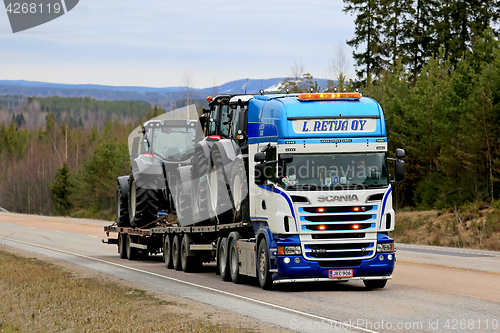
(284, 188)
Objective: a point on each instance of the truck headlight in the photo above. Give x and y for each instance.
(289, 250)
(385, 247)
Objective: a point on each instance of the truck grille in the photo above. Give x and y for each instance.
(338, 233)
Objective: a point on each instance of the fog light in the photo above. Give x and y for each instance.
(389, 257)
(297, 260)
(380, 257)
(286, 260)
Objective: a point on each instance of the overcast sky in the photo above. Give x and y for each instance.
(155, 42)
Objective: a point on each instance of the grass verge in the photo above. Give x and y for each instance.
(37, 296)
(474, 226)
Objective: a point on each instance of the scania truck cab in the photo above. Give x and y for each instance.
(319, 187)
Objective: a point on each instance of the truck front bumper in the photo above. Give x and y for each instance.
(300, 270)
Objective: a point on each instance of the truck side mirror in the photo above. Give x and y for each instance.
(400, 153)
(400, 170)
(259, 157)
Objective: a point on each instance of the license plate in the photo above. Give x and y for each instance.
(339, 273)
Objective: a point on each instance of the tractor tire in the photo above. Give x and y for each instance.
(263, 274)
(239, 193)
(121, 201)
(200, 190)
(143, 205)
(183, 205)
(223, 260)
(219, 195)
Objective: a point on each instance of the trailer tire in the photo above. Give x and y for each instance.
(374, 284)
(263, 274)
(167, 251)
(143, 204)
(121, 204)
(176, 253)
(131, 251)
(234, 262)
(122, 246)
(188, 263)
(223, 260)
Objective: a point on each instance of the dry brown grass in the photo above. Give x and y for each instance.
(474, 226)
(36, 296)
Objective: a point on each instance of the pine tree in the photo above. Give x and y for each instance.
(368, 31)
(61, 189)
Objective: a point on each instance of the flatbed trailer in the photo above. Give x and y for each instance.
(191, 246)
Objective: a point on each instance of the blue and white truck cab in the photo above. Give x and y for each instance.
(320, 187)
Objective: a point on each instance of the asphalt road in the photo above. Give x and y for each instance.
(434, 289)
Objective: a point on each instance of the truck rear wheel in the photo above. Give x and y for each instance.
(263, 273)
(176, 253)
(121, 205)
(122, 246)
(234, 262)
(188, 263)
(374, 284)
(131, 251)
(167, 251)
(143, 205)
(222, 259)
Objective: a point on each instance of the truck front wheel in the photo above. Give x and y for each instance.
(176, 253)
(263, 273)
(374, 284)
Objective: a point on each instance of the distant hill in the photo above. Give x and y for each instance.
(149, 94)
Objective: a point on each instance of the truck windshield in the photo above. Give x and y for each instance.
(334, 171)
(173, 143)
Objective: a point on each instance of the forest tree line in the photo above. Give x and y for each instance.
(67, 170)
(434, 66)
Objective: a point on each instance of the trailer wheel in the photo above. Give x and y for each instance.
(167, 252)
(263, 273)
(176, 253)
(131, 251)
(234, 262)
(223, 260)
(143, 204)
(121, 204)
(374, 284)
(188, 263)
(122, 246)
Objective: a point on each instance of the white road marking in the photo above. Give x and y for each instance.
(197, 285)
